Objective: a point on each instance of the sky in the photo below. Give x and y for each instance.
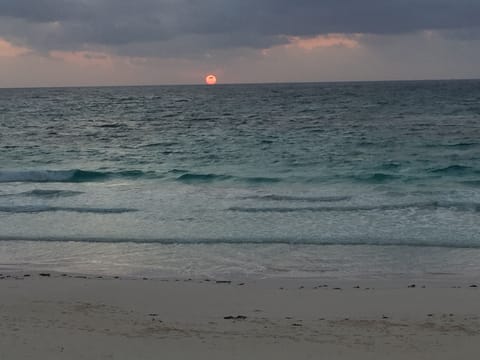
(150, 42)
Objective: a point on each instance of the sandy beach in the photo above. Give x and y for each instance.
(63, 316)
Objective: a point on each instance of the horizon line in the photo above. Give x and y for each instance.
(238, 83)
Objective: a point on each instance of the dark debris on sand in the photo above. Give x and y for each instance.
(238, 317)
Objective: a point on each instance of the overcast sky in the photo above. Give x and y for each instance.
(115, 42)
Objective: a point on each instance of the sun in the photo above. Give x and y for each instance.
(210, 79)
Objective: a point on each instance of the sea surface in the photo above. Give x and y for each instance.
(328, 179)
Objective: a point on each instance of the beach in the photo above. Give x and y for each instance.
(71, 316)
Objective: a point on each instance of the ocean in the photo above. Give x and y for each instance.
(324, 179)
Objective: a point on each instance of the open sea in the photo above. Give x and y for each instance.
(341, 180)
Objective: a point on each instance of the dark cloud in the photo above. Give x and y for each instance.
(42, 10)
(154, 27)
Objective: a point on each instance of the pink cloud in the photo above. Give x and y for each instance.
(7, 49)
(320, 41)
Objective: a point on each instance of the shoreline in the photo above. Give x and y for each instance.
(56, 316)
(389, 281)
(243, 262)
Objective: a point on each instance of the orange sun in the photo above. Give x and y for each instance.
(211, 79)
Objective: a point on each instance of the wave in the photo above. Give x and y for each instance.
(380, 177)
(111, 126)
(376, 178)
(262, 241)
(454, 170)
(390, 166)
(79, 176)
(159, 144)
(459, 145)
(430, 205)
(463, 144)
(44, 176)
(51, 193)
(42, 209)
(261, 179)
(473, 183)
(297, 198)
(189, 177)
(192, 177)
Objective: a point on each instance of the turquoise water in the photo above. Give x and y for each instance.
(393, 163)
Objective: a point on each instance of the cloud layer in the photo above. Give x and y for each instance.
(171, 28)
(103, 42)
